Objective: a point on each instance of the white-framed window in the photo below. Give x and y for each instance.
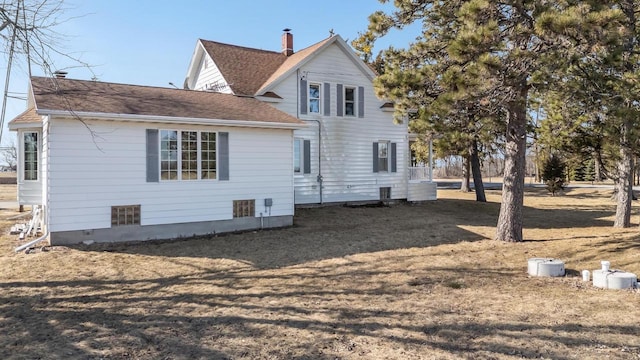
(297, 156)
(314, 98)
(30, 146)
(349, 101)
(208, 152)
(187, 155)
(383, 156)
(189, 163)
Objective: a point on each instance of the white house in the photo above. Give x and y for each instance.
(113, 162)
(351, 150)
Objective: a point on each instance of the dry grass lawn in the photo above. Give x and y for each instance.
(401, 282)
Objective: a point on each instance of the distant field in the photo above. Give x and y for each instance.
(402, 282)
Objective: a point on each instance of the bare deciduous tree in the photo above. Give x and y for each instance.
(10, 155)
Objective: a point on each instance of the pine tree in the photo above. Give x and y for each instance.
(590, 171)
(500, 48)
(553, 174)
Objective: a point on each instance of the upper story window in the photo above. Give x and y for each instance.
(31, 156)
(186, 156)
(350, 101)
(314, 98)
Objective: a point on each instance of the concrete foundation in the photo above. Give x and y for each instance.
(167, 231)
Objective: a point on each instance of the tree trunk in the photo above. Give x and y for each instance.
(477, 175)
(597, 167)
(624, 180)
(509, 226)
(464, 185)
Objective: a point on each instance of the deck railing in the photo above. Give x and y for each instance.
(419, 173)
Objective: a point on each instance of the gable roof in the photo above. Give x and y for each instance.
(252, 72)
(29, 116)
(292, 61)
(245, 69)
(81, 97)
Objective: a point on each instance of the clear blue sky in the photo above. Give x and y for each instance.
(150, 42)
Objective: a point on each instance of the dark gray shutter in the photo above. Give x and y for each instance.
(339, 102)
(327, 99)
(223, 156)
(307, 156)
(360, 101)
(153, 158)
(375, 157)
(393, 158)
(303, 96)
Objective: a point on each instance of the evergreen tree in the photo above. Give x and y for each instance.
(590, 171)
(481, 52)
(553, 174)
(597, 96)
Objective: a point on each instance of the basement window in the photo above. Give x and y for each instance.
(244, 208)
(125, 215)
(385, 193)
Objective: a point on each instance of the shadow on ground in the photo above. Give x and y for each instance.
(175, 317)
(339, 231)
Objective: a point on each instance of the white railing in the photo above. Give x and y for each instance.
(420, 173)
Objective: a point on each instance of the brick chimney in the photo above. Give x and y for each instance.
(287, 42)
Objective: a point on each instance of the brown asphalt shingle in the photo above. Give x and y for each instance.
(247, 70)
(111, 98)
(27, 117)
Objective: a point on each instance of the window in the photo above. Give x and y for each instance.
(385, 193)
(314, 98)
(208, 154)
(297, 156)
(194, 155)
(383, 156)
(349, 101)
(125, 215)
(168, 155)
(244, 208)
(31, 156)
(189, 155)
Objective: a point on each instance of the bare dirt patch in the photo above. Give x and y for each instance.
(401, 282)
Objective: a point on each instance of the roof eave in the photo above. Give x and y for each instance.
(194, 57)
(20, 126)
(174, 120)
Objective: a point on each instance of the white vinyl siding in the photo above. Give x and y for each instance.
(31, 167)
(346, 145)
(90, 175)
(209, 77)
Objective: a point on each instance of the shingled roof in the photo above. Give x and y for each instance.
(248, 70)
(80, 96)
(245, 69)
(28, 117)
